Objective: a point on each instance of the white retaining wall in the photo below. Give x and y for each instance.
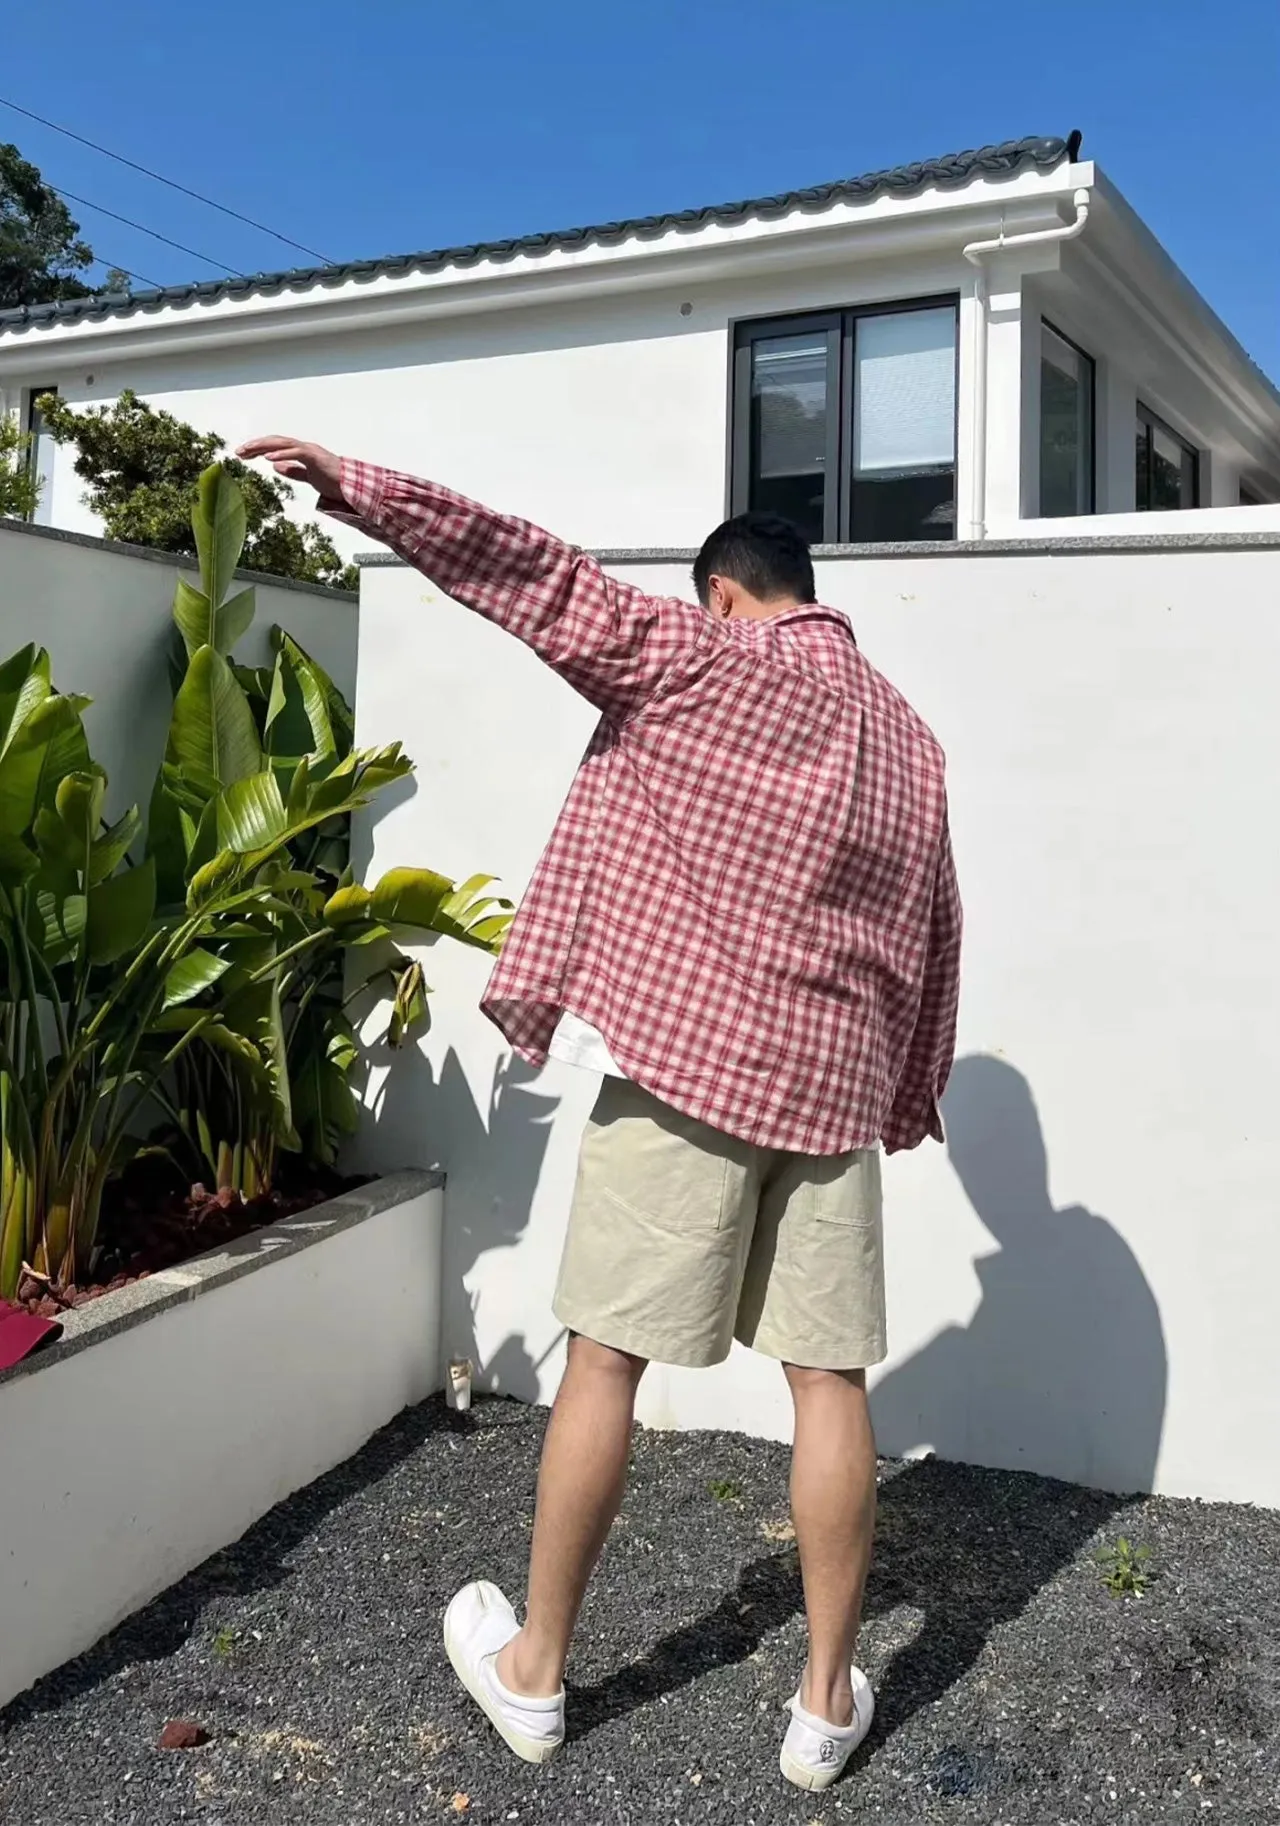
(1085, 1284)
(180, 1410)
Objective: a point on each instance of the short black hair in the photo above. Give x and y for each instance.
(767, 555)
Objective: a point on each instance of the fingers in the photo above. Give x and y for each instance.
(274, 448)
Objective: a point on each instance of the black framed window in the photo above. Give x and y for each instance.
(1066, 426)
(1167, 474)
(845, 421)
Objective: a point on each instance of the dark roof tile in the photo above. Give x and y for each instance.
(948, 173)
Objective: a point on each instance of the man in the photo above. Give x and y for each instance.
(747, 920)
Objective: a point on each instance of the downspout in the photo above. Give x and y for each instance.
(974, 253)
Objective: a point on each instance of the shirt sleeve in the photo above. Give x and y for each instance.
(610, 641)
(915, 1113)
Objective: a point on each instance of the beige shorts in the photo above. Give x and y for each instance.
(682, 1238)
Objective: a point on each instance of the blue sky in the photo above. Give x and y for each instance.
(368, 129)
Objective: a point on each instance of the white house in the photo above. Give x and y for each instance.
(987, 370)
(959, 349)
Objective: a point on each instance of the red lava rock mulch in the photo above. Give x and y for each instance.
(147, 1226)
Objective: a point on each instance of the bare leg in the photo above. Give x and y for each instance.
(833, 1504)
(580, 1486)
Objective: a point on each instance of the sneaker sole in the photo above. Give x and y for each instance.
(528, 1749)
(812, 1780)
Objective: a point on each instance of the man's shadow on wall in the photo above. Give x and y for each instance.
(492, 1158)
(1062, 1368)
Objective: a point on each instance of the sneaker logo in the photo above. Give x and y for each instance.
(827, 1750)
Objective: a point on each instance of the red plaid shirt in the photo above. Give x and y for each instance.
(750, 890)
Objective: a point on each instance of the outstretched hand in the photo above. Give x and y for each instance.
(310, 463)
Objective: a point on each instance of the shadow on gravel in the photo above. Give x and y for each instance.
(966, 1548)
(256, 1562)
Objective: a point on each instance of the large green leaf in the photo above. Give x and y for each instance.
(18, 862)
(473, 917)
(350, 905)
(251, 814)
(218, 522)
(322, 1053)
(213, 736)
(194, 616)
(25, 681)
(193, 973)
(409, 897)
(110, 849)
(332, 724)
(120, 911)
(201, 625)
(48, 746)
(214, 880)
(256, 1013)
(235, 618)
(56, 914)
(214, 1030)
(167, 843)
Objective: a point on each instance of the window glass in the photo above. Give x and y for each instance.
(904, 391)
(1066, 427)
(789, 429)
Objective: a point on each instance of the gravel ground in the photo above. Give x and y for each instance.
(1011, 1687)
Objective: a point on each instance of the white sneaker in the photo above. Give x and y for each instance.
(477, 1626)
(814, 1753)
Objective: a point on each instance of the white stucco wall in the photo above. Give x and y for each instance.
(1109, 723)
(105, 616)
(608, 417)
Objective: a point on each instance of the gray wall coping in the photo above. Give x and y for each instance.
(1075, 547)
(178, 560)
(112, 1313)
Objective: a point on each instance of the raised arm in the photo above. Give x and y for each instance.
(914, 1114)
(612, 643)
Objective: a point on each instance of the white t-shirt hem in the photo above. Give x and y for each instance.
(576, 1042)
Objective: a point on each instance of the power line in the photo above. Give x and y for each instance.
(159, 179)
(113, 267)
(84, 203)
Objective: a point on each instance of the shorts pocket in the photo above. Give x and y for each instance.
(846, 1191)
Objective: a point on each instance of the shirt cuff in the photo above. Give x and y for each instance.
(362, 488)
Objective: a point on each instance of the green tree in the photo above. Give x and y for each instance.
(40, 247)
(143, 466)
(19, 488)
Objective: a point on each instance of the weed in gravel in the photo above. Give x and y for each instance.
(1124, 1566)
(224, 1643)
(725, 1489)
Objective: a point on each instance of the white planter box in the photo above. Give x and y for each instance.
(175, 1413)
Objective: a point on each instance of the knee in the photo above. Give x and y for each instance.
(810, 1383)
(587, 1358)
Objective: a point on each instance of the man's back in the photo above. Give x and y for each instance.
(762, 837)
(749, 892)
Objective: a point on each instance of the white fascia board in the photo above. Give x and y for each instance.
(1138, 268)
(711, 253)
